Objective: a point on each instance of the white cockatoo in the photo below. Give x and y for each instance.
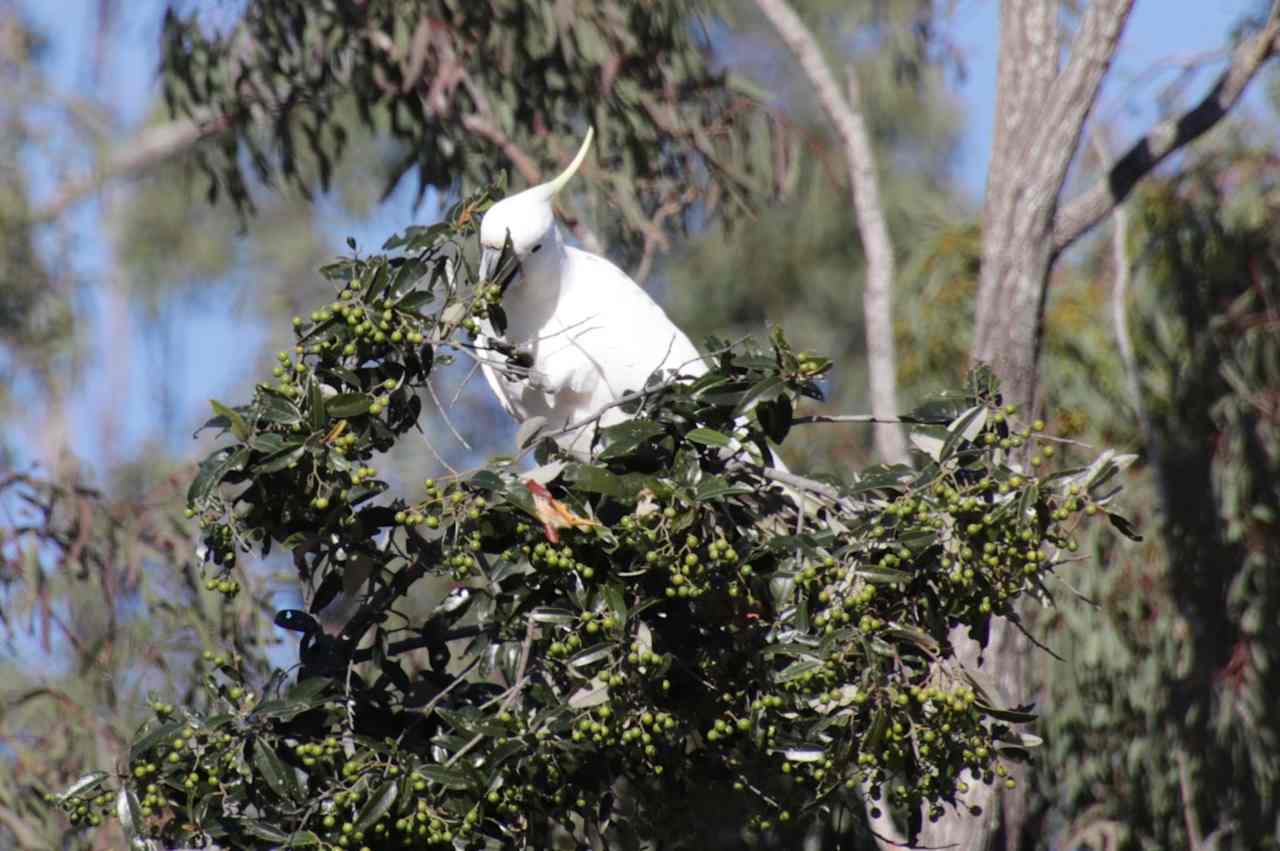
(585, 332)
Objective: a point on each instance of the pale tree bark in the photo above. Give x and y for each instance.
(846, 116)
(1041, 112)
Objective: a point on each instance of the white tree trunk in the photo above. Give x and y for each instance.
(846, 116)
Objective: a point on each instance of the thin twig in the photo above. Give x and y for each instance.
(801, 483)
(1195, 837)
(444, 414)
(849, 418)
(457, 680)
(509, 698)
(462, 385)
(434, 454)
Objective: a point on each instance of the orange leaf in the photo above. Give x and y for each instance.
(553, 513)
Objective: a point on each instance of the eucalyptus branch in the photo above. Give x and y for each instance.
(1081, 213)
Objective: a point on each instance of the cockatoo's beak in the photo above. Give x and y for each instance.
(488, 264)
(498, 266)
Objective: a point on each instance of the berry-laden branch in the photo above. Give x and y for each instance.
(685, 632)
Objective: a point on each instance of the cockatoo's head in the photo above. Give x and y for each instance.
(527, 217)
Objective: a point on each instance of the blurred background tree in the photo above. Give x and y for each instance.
(118, 279)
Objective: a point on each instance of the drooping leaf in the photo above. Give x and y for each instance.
(377, 805)
(272, 769)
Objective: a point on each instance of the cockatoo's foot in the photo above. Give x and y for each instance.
(579, 378)
(583, 380)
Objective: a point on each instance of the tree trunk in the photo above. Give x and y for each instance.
(1041, 110)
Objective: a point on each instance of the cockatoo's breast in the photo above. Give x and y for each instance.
(602, 337)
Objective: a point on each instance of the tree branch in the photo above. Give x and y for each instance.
(845, 114)
(1091, 206)
(149, 148)
(1121, 273)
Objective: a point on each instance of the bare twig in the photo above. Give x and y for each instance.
(845, 114)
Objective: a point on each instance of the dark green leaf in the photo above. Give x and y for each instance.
(486, 480)
(414, 300)
(796, 670)
(590, 655)
(348, 405)
(941, 409)
(708, 437)
(376, 806)
(616, 600)
(548, 614)
(278, 776)
(268, 442)
(966, 428)
(214, 469)
(154, 737)
(1124, 527)
(85, 784)
(716, 487)
(622, 439)
(599, 480)
(238, 426)
(315, 406)
(450, 778)
(274, 408)
(1013, 716)
(280, 460)
(775, 417)
(129, 811)
(263, 830)
(767, 387)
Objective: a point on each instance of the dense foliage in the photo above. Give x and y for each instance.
(454, 88)
(1163, 734)
(619, 633)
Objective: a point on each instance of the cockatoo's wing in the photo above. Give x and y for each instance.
(617, 328)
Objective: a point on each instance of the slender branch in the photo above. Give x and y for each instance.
(512, 692)
(444, 414)
(1195, 837)
(845, 114)
(1090, 207)
(149, 148)
(1121, 272)
(419, 641)
(800, 482)
(633, 396)
(848, 418)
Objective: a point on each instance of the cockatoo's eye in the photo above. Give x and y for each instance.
(536, 248)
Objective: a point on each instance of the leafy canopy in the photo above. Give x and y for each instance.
(662, 615)
(452, 87)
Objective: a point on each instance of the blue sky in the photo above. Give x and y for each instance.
(125, 85)
(1158, 30)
